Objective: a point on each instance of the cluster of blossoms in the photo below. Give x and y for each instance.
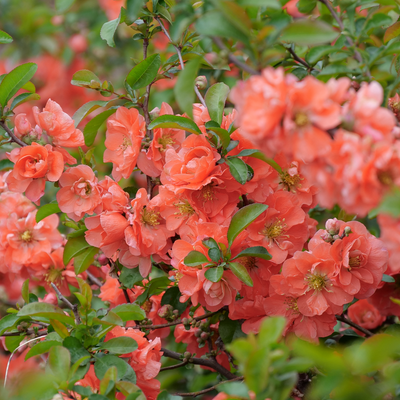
(332, 144)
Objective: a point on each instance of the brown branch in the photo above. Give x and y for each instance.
(28, 332)
(233, 59)
(11, 134)
(194, 394)
(93, 279)
(179, 52)
(201, 361)
(174, 366)
(342, 318)
(204, 316)
(335, 15)
(73, 307)
(298, 59)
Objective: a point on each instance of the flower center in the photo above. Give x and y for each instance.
(291, 305)
(385, 177)
(274, 230)
(248, 262)
(290, 180)
(165, 140)
(301, 119)
(207, 193)
(125, 144)
(150, 217)
(354, 262)
(27, 236)
(54, 275)
(184, 208)
(147, 306)
(316, 281)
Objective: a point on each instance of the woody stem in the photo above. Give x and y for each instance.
(342, 318)
(11, 134)
(73, 307)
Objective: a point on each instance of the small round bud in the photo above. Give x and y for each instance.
(187, 354)
(175, 312)
(165, 311)
(154, 113)
(336, 237)
(201, 82)
(347, 230)
(205, 335)
(332, 226)
(199, 340)
(197, 333)
(102, 259)
(326, 237)
(185, 321)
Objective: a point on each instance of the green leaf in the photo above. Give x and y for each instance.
(215, 23)
(113, 319)
(243, 218)
(184, 88)
(236, 15)
(240, 272)
(195, 258)
(127, 388)
(75, 348)
(306, 32)
(23, 98)
(256, 251)
(14, 81)
(129, 312)
(238, 169)
(59, 362)
(76, 367)
(389, 205)
(130, 276)
(7, 322)
(25, 291)
(133, 8)
(83, 260)
(107, 383)
(41, 348)
(91, 128)
(36, 308)
(63, 5)
(171, 296)
(46, 210)
(12, 342)
(108, 30)
(5, 38)
(74, 247)
(6, 164)
(306, 6)
(215, 100)
(378, 20)
(223, 134)
(144, 73)
(30, 87)
(210, 243)
(261, 156)
(120, 345)
(271, 330)
(84, 77)
(175, 122)
(316, 53)
(392, 32)
(388, 278)
(214, 254)
(230, 330)
(214, 274)
(86, 109)
(60, 328)
(124, 370)
(164, 12)
(260, 3)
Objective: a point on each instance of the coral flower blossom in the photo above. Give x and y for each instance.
(125, 131)
(80, 193)
(193, 167)
(365, 315)
(59, 125)
(33, 166)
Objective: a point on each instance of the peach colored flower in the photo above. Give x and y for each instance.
(125, 131)
(23, 127)
(112, 196)
(58, 125)
(365, 315)
(147, 235)
(193, 167)
(390, 236)
(381, 299)
(111, 291)
(79, 192)
(282, 228)
(33, 166)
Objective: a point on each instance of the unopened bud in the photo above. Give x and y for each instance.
(347, 230)
(197, 333)
(336, 237)
(187, 354)
(201, 82)
(154, 113)
(205, 335)
(175, 312)
(185, 321)
(165, 311)
(102, 259)
(326, 237)
(332, 226)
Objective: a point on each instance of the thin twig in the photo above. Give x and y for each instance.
(194, 394)
(93, 279)
(73, 307)
(204, 316)
(27, 332)
(233, 59)
(179, 52)
(201, 361)
(335, 15)
(342, 318)
(11, 134)
(298, 59)
(174, 366)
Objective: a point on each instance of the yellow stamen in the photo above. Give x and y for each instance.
(27, 236)
(184, 208)
(150, 217)
(274, 230)
(316, 281)
(301, 119)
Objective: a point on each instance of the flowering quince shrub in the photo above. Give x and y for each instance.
(225, 225)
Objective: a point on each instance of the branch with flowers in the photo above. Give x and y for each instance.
(249, 239)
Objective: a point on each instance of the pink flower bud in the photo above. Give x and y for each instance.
(332, 226)
(165, 311)
(201, 82)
